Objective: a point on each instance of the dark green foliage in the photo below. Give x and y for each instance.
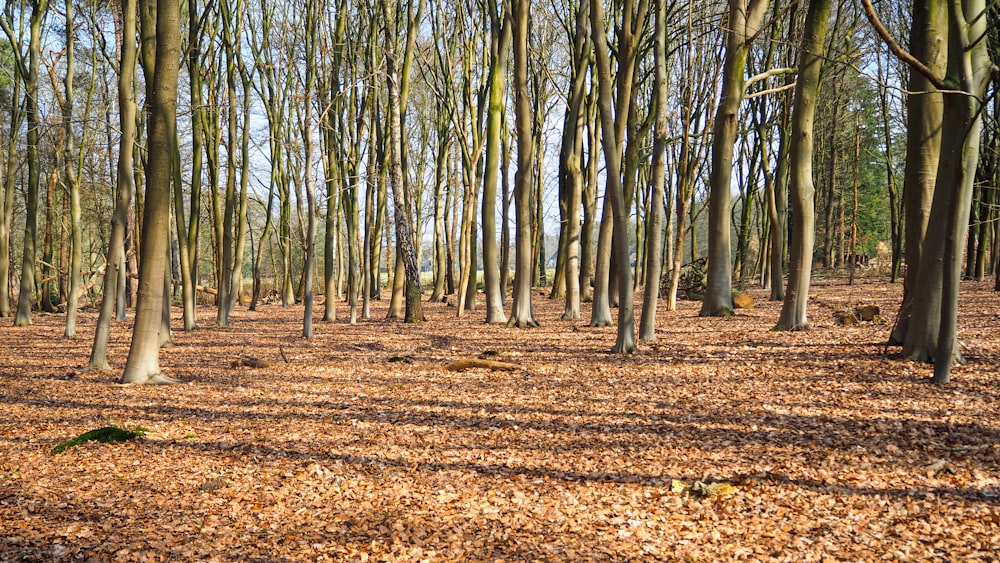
(105, 435)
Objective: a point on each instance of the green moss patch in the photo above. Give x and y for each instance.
(105, 435)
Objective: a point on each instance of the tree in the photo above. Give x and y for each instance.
(143, 366)
(521, 314)
(70, 163)
(793, 308)
(499, 48)
(924, 106)
(610, 130)
(400, 195)
(571, 171)
(311, 20)
(647, 326)
(744, 21)
(28, 71)
(125, 185)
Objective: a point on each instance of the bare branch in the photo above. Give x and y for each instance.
(901, 53)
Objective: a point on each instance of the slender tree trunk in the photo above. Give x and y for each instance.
(793, 308)
(625, 342)
(76, 235)
(521, 315)
(571, 164)
(501, 33)
(312, 14)
(9, 189)
(404, 234)
(744, 19)
(654, 241)
(25, 297)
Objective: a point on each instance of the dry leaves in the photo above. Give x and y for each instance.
(722, 440)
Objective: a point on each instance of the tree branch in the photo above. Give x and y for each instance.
(768, 74)
(915, 63)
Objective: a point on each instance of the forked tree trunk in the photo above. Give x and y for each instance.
(793, 308)
(625, 341)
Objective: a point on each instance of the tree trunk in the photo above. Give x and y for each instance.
(654, 241)
(143, 360)
(969, 67)
(928, 40)
(404, 235)
(793, 308)
(9, 189)
(625, 342)
(500, 46)
(25, 297)
(70, 159)
(521, 314)
(744, 19)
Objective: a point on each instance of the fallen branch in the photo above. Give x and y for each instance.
(248, 361)
(473, 363)
(201, 288)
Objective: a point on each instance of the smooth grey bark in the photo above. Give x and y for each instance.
(500, 26)
(142, 366)
(571, 163)
(29, 73)
(654, 241)
(72, 182)
(744, 19)
(614, 191)
(311, 22)
(9, 189)
(924, 106)
(521, 314)
(969, 69)
(115, 262)
(793, 308)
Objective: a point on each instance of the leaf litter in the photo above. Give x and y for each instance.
(721, 440)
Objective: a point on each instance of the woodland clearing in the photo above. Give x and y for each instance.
(721, 440)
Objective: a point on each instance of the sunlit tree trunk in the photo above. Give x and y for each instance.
(522, 314)
(29, 73)
(499, 47)
(143, 359)
(744, 19)
(9, 189)
(401, 204)
(654, 242)
(969, 69)
(928, 40)
(72, 180)
(312, 14)
(614, 191)
(125, 185)
(811, 56)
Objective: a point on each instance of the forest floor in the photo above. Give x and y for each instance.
(721, 440)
